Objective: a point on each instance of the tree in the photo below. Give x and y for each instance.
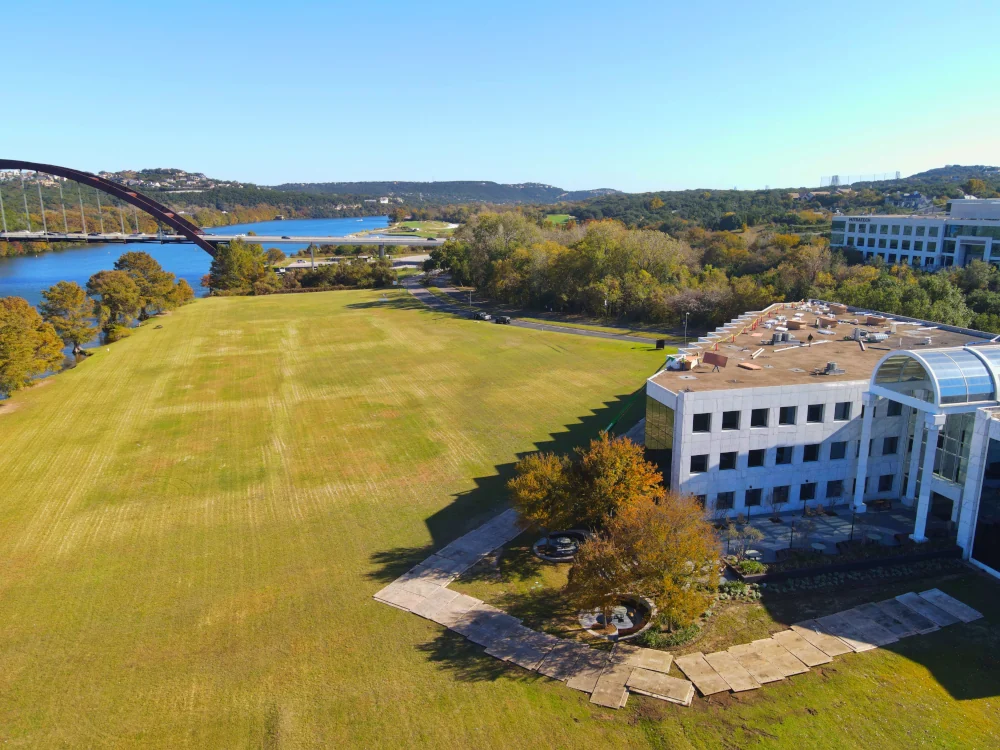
(28, 345)
(609, 474)
(975, 186)
(117, 300)
(155, 285)
(600, 576)
(274, 255)
(66, 306)
(181, 294)
(240, 267)
(541, 491)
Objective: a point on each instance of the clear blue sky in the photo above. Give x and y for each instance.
(632, 95)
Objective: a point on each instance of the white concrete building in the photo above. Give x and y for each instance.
(855, 408)
(970, 231)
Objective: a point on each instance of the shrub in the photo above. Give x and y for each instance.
(739, 591)
(751, 567)
(117, 333)
(656, 638)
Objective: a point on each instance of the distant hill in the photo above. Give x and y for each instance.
(451, 192)
(955, 173)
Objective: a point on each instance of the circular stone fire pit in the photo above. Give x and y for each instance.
(559, 546)
(634, 615)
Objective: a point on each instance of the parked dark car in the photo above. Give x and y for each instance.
(504, 319)
(285, 237)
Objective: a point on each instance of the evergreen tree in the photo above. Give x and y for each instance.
(66, 307)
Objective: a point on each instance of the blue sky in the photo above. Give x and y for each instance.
(632, 95)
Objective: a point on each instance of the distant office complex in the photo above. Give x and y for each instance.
(819, 404)
(970, 231)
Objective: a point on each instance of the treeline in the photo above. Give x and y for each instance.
(604, 269)
(244, 268)
(31, 341)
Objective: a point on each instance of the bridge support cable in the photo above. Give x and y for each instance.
(135, 218)
(3, 214)
(24, 197)
(100, 211)
(62, 204)
(83, 217)
(41, 203)
(121, 215)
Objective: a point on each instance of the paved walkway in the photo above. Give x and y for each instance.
(609, 676)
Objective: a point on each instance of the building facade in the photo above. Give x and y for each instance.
(816, 404)
(970, 231)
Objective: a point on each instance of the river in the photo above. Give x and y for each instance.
(27, 275)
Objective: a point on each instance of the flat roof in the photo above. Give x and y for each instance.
(794, 362)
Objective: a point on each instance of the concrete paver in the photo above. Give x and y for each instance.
(701, 673)
(610, 690)
(841, 627)
(587, 671)
(951, 605)
(431, 604)
(802, 649)
(751, 660)
(931, 611)
(872, 631)
(912, 620)
(734, 673)
(779, 656)
(818, 636)
(659, 685)
(559, 662)
(874, 612)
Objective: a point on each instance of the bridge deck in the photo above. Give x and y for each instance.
(109, 237)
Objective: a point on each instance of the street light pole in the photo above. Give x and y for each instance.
(686, 329)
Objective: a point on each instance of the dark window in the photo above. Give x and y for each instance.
(752, 498)
(727, 461)
(842, 411)
(894, 409)
(699, 463)
(810, 452)
(780, 494)
(783, 455)
(885, 482)
(786, 415)
(835, 488)
(730, 420)
(814, 413)
(755, 458)
(758, 418)
(890, 445)
(725, 500)
(838, 450)
(702, 423)
(702, 499)
(807, 491)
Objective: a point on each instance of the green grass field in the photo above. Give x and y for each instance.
(192, 523)
(427, 228)
(558, 218)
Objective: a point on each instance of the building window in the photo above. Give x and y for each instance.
(932, 247)
(932, 231)
(730, 420)
(871, 242)
(920, 230)
(883, 229)
(807, 491)
(786, 415)
(881, 244)
(893, 409)
(850, 242)
(861, 228)
(835, 488)
(752, 498)
(838, 450)
(758, 418)
(907, 230)
(810, 452)
(724, 500)
(892, 256)
(783, 455)
(702, 423)
(894, 244)
(814, 413)
(928, 261)
(918, 245)
(842, 411)
(702, 499)
(755, 458)
(889, 446)
(780, 494)
(699, 463)
(906, 244)
(727, 461)
(895, 228)
(885, 482)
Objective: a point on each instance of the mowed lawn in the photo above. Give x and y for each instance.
(193, 521)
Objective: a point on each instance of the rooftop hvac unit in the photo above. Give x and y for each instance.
(832, 369)
(876, 337)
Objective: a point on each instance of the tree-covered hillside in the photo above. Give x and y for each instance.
(452, 192)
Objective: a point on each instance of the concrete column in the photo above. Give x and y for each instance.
(911, 481)
(866, 435)
(934, 423)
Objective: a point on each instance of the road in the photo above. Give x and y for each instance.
(397, 262)
(413, 286)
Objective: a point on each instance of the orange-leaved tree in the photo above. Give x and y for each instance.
(600, 576)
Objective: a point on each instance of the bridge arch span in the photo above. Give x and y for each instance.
(157, 210)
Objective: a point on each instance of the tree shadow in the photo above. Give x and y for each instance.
(391, 564)
(468, 662)
(396, 302)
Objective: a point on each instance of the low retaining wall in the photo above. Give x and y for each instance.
(875, 562)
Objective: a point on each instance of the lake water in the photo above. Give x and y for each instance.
(26, 276)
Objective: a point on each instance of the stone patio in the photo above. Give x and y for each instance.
(609, 676)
